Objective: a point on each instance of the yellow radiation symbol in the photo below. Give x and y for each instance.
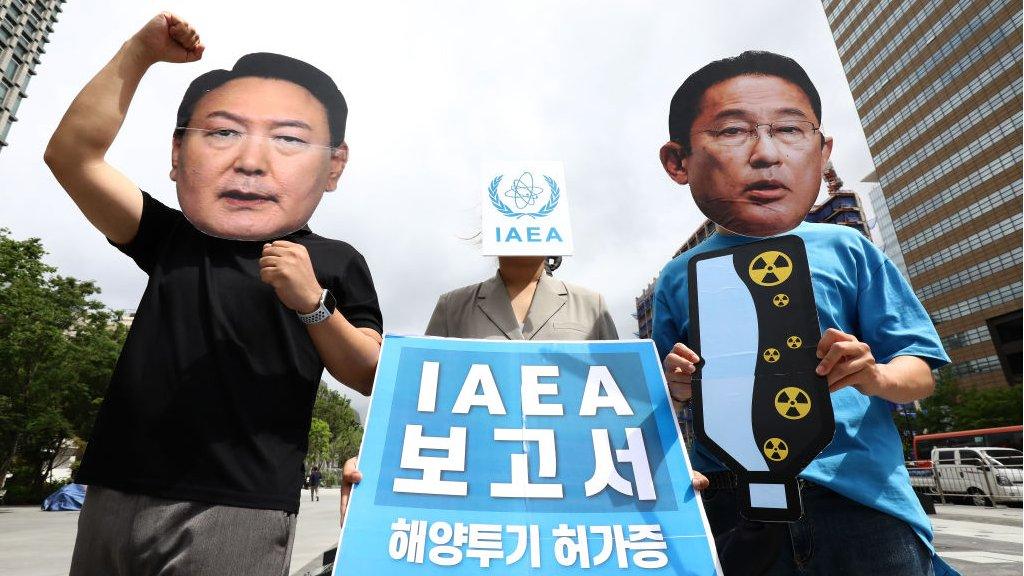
(780, 300)
(776, 449)
(792, 403)
(770, 268)
(794, 342)
(771, 355)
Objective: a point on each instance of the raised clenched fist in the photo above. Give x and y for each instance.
(168, 38)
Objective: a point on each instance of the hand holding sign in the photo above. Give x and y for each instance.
(350, 476)
(846, 361)
(679, 367)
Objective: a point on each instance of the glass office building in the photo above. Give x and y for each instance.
(25, 26)
(937, 84)
(887, 240)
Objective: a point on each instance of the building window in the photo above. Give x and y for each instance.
(978, 303)
(1006, 335)
(20, 50)
(978, 240)
(957, 160)
(953, 104)
(984, 206)
(960, 39)
(976, 366)
(1006, 162)
(967, 338)
(1009, 61)
(952, 71)
(11, 70)
(976, 273)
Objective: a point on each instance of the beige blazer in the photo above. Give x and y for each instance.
(559, 311)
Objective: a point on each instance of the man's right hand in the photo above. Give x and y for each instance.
(77, 150)
(679, 366)
(349, 476)
(167, 38)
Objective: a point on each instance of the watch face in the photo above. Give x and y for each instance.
(330, 303)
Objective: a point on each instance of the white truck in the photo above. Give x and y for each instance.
(984, 475)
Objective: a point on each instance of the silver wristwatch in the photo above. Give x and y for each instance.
(323, 311)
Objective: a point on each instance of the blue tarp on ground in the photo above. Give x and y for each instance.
(70, 497)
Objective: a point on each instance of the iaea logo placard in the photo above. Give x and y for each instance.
(525, 210)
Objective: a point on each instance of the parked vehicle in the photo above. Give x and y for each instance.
(985, 475)
(1002, 437)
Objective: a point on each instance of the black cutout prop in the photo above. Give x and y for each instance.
(759, 406)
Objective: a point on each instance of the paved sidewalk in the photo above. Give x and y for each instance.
(1000, 514)
(978, 541)
(37, 543)
(318, 528)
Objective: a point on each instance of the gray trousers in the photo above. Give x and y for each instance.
(122, 534)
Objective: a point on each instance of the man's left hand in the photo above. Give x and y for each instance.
(286, 266)
(350, 475)
(846, 361)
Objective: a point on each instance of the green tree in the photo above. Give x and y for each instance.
(346, 444)
(336, 411)
(989, 407)
(953, 407)
(58, 346)
(319, 441)
(937, 411)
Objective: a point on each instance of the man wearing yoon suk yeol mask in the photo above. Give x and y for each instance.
(195, 462)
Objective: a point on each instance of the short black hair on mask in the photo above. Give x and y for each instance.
(275, 66)
(686, 102)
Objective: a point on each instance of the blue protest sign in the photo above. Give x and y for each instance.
(523, 458)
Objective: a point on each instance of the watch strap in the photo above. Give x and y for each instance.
(320, 314)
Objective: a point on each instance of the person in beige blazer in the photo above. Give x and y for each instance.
(522, 301)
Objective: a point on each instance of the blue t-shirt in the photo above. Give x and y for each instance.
(857, 290)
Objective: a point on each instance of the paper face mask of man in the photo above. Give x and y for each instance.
(746, 138)
(255, 147)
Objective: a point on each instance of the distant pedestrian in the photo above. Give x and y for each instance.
(314, 484)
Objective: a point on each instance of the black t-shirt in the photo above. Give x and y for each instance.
(212, 396)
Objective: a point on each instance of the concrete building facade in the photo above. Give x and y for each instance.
(25, 26)
(937, 84)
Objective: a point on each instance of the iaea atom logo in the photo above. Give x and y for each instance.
(523, 194)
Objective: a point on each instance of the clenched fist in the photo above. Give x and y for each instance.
(286, 266)
(167, 38)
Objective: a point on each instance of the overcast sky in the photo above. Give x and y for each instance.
(435, 89)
